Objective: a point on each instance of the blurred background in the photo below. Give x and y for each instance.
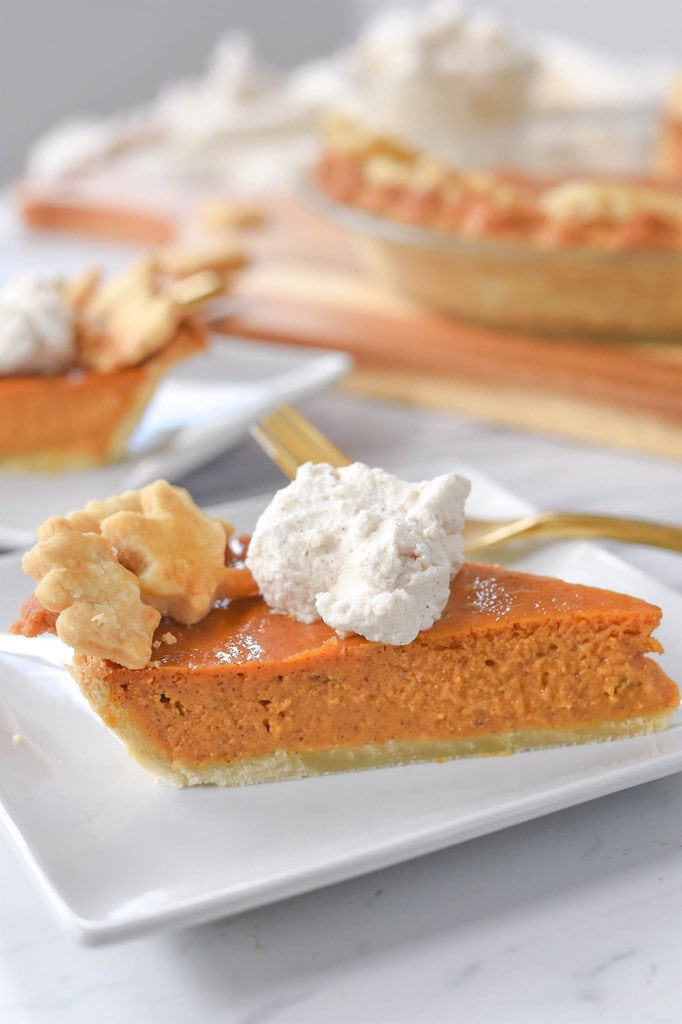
(79, 57)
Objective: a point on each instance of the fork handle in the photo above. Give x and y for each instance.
(633, 531)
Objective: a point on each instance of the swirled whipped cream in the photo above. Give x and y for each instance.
(441, 79)
(360, 549)
(469, 62)
(36, 328)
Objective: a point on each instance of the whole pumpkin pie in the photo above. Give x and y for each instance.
(585, 254)
(206, 683)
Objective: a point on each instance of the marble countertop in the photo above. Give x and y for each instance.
(573, 917)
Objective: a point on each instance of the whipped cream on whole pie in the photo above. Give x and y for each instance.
(441, 79)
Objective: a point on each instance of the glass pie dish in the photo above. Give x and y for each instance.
(548, 289)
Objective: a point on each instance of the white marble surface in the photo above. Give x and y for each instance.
(572, 918)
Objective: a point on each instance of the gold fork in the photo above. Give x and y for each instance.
(290, 440)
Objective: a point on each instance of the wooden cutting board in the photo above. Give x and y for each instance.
(306, 288)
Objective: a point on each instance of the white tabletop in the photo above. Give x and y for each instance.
(573, 917)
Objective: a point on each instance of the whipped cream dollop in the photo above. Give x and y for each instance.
(470, 62)
(471, 90)
(441, 79)
(360, 549)
(36, 328)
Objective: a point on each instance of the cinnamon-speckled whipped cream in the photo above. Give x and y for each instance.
(361, 550)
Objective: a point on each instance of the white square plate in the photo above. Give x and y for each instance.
(201, 408)
(118, 855)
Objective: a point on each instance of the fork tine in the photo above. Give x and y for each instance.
(309, 438)
(290, 440)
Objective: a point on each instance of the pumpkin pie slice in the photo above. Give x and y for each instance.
(124, 334)
(83, 418)
(515, 662)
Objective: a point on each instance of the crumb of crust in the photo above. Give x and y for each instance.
(421, 174)
(112, 569)
(168, 639)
